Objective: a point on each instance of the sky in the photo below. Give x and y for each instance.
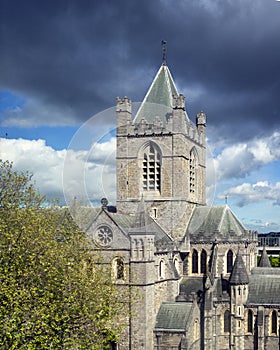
(62, 64)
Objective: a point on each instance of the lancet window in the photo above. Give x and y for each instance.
(194, 261)
(229, 261)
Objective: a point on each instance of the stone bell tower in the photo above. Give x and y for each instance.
(161, 156)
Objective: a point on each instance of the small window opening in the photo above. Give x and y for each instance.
(229, 261)
(194, 261)
(250, 322)
(274, 322)
(226, 321)
(120, 269)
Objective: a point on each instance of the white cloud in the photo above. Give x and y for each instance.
(84, 174)
(42, 161)
(261, 152)
(241, 159)
(248, 193)
(90, 175)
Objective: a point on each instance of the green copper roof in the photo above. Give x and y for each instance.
(160, 93)
(173, 316)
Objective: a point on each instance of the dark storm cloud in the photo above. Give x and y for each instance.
(71, 58)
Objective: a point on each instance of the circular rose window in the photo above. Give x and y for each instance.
(104, 235)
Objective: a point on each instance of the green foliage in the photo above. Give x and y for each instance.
(275, 261)
(54, 293)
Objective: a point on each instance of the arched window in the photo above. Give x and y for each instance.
(274, 322)
(161, 269)
(151, 169)
(227, 321)
(194, 261)
(229, 261)
(203, 262)
(193, 170)
(250, 321)
(118, 269)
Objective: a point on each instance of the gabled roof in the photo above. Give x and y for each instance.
(160, 93)
(173, 316)
(190, 285)
(219, 220)
(141, 223)
(239, 274)
(264, 260)
(264, 286)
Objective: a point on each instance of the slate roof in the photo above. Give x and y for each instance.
(264, 286)
(239, 274)
(141, 222)
(173, 316)
(84, 216)
(159, 98)
(191, 285)
(220, 220)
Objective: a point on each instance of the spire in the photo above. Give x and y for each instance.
(239, 274)
(161, 92)
(264, 260)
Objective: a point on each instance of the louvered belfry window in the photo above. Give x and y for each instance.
(193, 171)
(151, 169)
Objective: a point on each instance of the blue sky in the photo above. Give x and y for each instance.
(63, 64)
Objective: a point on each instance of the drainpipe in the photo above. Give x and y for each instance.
(158, 341)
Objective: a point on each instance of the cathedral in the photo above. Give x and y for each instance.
(194, 267)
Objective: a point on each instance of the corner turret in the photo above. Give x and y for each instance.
(201, 125)
(179, 113)
(239, 281)
(123, 111)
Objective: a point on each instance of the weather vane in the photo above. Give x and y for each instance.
(163, 43)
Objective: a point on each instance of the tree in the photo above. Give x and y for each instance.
(54, 292)
(275, 261)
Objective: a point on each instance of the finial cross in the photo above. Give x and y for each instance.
(163, 44)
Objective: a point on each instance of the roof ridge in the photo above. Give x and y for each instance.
(222, 218)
